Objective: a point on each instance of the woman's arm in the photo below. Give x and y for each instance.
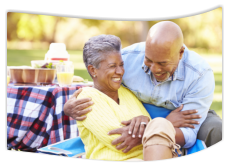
(101, 119)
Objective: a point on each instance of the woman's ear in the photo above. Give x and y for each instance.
(91, 70)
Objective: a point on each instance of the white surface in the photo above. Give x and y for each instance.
(84, 84)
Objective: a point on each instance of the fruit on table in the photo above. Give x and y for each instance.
(46, 65)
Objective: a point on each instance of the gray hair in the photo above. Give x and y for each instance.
(96, 49)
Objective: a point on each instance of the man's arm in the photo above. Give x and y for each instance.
(77, 108)
(182, 119)
(199, 97)
(179, 137)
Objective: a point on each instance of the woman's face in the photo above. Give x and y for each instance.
(109, 75)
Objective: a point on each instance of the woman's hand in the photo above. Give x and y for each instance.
(137, 125)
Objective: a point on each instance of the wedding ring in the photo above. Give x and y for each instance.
(143, 123)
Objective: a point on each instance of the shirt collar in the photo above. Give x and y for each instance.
(146, 68)
(179, 72)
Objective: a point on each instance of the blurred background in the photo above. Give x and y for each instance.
(29, 37)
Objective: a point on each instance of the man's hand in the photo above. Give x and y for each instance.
(183, 118)
(125, 140)
(76, 108)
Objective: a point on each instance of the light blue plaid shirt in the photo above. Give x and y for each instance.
(192, 85)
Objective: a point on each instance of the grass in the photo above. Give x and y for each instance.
(24, 57)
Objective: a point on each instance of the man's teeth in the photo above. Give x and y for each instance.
(116, 79)
(158, 74)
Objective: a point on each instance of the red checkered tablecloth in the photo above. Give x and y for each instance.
(35, 116)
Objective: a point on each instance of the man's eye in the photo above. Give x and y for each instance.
(163, 64)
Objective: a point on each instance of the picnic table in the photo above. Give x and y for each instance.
(35, 116)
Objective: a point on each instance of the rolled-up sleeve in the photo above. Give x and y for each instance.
(199, 96)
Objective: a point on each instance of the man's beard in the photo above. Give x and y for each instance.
(167, 76)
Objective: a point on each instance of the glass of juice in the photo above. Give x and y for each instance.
(65, 74)
(8, 79)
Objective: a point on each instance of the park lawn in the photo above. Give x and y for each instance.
(24, 57)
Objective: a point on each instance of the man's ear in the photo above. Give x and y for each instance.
(181, 52)
(91, 70)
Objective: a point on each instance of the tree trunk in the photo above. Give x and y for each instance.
(143, 30)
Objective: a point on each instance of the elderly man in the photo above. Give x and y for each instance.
(164, 73)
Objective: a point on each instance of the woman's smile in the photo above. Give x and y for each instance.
(118, 80)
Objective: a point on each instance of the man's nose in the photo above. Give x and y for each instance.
(155, 68)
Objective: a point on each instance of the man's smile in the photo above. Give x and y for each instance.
(159, 74)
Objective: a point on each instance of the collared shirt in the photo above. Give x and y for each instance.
(192, 85)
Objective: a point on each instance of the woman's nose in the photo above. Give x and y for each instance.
(119, 70)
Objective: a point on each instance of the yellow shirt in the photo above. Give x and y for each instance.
(105, 116)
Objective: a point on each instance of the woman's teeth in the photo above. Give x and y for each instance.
(116, 79)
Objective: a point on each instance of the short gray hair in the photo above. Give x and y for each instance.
(96, 48)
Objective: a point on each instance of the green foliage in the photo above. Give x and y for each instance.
(200, 31)
(92, 22)
(32, 27)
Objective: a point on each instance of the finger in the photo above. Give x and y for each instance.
(84, 111)
(131, 127)
(126, 122)
(121, 146)
(77, 112)
(76, 93)
(187, 112)
(83, 106)
(82, 101)
(188, 125)
(141, 130)
(136, 128)
(178, 109)
(118, 140)
(192, 117)
(81, 118)
(127, 149)
(115, 131)
(192, 122)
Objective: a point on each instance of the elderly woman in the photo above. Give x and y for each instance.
(114, 103)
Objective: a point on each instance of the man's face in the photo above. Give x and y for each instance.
(162, 60)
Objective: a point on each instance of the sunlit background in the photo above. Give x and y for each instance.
(29, 37)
